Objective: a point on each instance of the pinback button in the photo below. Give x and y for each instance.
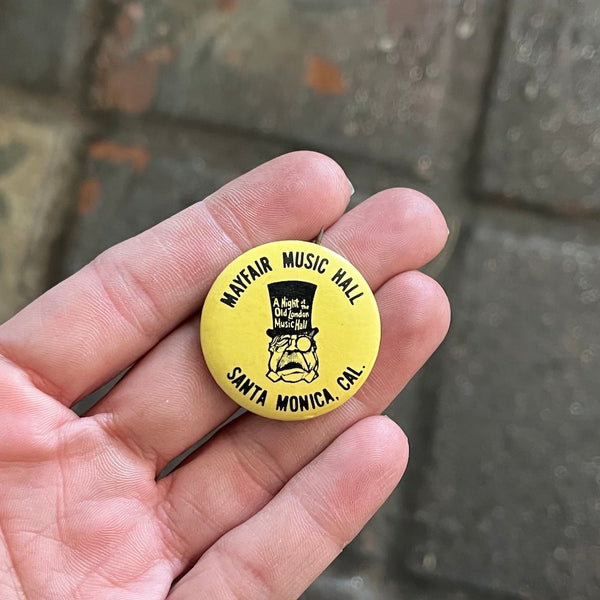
(290, 330)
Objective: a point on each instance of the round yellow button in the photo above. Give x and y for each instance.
(290, 330)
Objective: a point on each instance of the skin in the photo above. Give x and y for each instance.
(265, 506)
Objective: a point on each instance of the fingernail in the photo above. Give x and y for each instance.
(352, 190)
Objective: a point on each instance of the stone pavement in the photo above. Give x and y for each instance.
(114, 115)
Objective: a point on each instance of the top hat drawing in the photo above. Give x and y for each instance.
(294, 295)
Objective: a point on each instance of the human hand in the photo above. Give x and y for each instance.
(262, 508)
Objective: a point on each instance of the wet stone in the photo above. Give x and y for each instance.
(542, 136)
(361, 77)
(44, 48)
(3, 206)
(38, 149)
(511, 498)
(140, 175)
(11, 154)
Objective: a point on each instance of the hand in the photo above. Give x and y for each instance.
(265, 506)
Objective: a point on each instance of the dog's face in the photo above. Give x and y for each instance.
(293, 357)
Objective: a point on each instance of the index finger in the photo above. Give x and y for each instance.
(94, 324)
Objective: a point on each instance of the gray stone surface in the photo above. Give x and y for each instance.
(511, 499)
(43, 48)
(395, 585)
(400, 82)
(140, 175)
(39, 148)
(542, 139)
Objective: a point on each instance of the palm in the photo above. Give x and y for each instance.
(81, 512)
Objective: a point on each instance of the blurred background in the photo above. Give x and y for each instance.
(116, 114)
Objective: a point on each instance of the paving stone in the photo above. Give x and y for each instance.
(542, 137)
(396, 587)
(139, 175)
(42, 47)
(362, 76)
(39, 147)
(511, 499)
